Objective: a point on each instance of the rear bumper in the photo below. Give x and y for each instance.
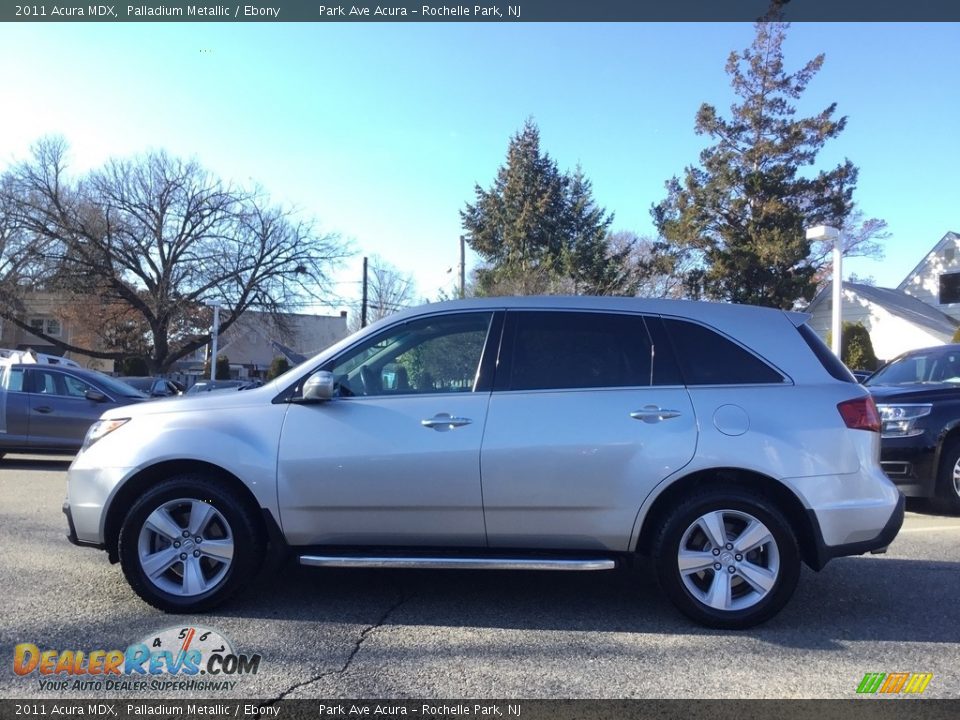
(823, 553)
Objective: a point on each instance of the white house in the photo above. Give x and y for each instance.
(922, 311)
(896, 321)
(936, 279)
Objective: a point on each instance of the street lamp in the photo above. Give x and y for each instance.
(214, 336)
(826, 232)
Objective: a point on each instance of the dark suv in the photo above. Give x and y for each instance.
(918, 395)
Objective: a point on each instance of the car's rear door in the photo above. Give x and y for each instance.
(586, 417)
(14, 409)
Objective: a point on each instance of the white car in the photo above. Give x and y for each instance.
(541, 433)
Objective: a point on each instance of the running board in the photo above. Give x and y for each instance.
(455, 563)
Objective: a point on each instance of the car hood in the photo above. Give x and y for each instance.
(203, 402)
(914, 392)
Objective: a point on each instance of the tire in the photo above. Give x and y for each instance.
(761, 580)
(948, 479)
(177, 573)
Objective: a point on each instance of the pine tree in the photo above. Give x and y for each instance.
(515, 226)
(541, 231)
(744, 210)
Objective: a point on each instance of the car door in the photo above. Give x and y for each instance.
(586, 417)
(60, 413)
(394, 457)
(14, 409)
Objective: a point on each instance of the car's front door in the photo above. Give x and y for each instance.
(60, 413)
(394, 457)
(586, 417)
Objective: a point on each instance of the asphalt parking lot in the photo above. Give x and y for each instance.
(451, 634)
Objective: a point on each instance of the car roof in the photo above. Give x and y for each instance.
(694, 309)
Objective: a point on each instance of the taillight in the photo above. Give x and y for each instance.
(860, 414)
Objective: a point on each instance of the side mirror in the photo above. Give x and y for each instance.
(319, 386)
(95, 396)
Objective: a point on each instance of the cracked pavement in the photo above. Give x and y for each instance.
(331, 633)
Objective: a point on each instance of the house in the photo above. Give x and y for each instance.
(250, 343)
(896, 321)
(255, 339)
(42, 311)
(936, 279)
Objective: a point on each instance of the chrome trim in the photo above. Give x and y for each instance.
(454, 563)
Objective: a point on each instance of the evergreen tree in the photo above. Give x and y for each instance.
(744, 211)
(588, 260)
(515, 226)
(540, 231)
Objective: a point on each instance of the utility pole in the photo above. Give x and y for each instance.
(363, 306)
(463, 269)
(214, 336)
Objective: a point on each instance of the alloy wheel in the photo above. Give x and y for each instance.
(729, 560)
(186, 547)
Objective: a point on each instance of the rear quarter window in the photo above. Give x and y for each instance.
(831, 363)
(706, 357)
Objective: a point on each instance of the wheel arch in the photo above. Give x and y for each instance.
(776, 492)
(136, 484)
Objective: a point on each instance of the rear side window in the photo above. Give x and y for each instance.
(574, 350)
(831, 363)
(708, 358)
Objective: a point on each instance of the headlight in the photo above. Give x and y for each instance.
(900, 420)
(102, 428)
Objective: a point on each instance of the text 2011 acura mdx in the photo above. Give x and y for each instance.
(724, 441)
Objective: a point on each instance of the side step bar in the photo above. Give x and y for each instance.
(455, 563)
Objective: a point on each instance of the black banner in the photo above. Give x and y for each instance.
(855, 709)
(491, 11)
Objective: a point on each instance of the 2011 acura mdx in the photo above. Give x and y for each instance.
(725, 442)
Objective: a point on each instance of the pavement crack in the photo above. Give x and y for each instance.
(353, 653)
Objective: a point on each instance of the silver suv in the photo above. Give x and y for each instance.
(725, 442)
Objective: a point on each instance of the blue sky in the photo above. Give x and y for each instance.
(381, 130)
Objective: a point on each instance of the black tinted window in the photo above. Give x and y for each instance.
(560, 350)
(708, 358)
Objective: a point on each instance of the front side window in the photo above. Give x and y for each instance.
(75, 387)
(575, 350)
(438, 354)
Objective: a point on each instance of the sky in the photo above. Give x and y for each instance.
(381, 131)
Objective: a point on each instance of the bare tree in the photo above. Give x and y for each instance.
(154, 238)
(388, 291)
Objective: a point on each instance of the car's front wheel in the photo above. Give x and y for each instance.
(189, 543)
(727, 558)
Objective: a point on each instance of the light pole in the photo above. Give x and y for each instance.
(826, 232)
(214, 336)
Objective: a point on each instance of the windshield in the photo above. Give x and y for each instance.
(935, 366)
(142, 384)
(117, 387)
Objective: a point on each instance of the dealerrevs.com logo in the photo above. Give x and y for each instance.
(176, 659)
(894, 683)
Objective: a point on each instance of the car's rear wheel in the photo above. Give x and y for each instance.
(948, 479)
(190, 543)
(727, 558)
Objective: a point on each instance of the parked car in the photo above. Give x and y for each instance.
(725, 442)
(154, 386)
(918, 397)
(49, 408)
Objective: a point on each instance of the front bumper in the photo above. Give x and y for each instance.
(911, 464)
(72, 530)
(823, 553)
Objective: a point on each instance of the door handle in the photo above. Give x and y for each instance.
(653, 414)
(442, 422)
(44, 409)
